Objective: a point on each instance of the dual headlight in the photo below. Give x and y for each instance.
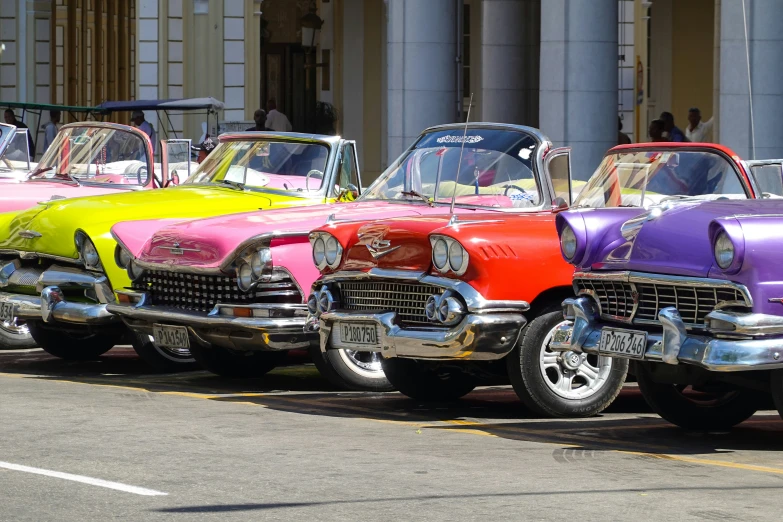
(327, 251)
(124, 260)
(448, 255)
(88, 254)
(254, 267)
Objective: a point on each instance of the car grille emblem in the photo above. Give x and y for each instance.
(380, 247)
(176, 250)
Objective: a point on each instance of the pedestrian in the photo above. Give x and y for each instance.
(622, 138)
(51, 129)
(698, 130)
(656, 130)
(276, 120)
(137, 118)
(671, 131)
(10, 119)
(260, 118)
(205, 148)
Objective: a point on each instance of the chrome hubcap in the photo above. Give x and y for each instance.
(13, 327)
(572, 375)
(364, 361)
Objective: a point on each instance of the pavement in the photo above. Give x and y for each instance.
(107, 440)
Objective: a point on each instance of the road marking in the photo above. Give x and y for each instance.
(707, 462)
(84, 480)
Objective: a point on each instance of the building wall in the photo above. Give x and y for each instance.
(693, 34)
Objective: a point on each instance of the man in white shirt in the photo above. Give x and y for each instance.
(276, 120)
(51, 129)
(697, 130)
(137, 117)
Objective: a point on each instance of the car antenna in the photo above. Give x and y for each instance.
(459, 163)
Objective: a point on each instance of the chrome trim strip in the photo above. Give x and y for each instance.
(36, 255)
(475, 301)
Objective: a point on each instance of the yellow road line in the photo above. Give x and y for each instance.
(706, 462)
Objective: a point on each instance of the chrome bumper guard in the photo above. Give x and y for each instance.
(737, 341)
(222, 326)
(478, 337)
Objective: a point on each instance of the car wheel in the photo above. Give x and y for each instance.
(561, 384)
(15, 335)
(694, 410)
(229, 364)
(351, 370)
(162, 359)
(72, 347)
(427, 382)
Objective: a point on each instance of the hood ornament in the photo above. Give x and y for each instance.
(29, 234)
(380, 247)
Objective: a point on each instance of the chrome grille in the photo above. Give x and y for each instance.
(201, 293)
(406, 299)
(25, 277)
(693, 302)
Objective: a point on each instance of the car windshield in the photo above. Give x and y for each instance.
(14, 163)
(643, 178)
(497, 169)
(96, 155)
(269, 164)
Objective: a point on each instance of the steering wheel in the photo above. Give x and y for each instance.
(510, 186)
(316, 173)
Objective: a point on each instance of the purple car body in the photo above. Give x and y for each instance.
(691, 291)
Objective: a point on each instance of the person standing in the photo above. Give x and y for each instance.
(671, 131)
(656, 131)
(698, 130)
(51, 129)
(137, 118)
(622, 138)
(260, 118)
(10, 119)
(276, 120)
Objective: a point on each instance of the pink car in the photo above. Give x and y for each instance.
(85, 159)
(231, 292)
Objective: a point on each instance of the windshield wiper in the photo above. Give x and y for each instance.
(415, 194)
(233, 184)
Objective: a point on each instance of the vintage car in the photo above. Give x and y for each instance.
(690, 292)
(445, 298)
(264, 261)
(57, 269)
(14, 155)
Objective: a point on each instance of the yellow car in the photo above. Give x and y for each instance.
(57, 266)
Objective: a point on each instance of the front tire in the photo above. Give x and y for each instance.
(696, 411)
(350, 370)
(15, 336)
(565, 384)
(70, 346)
(427, 382)
(228, 364)
(162, 360)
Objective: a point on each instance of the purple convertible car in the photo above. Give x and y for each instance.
(692, 293)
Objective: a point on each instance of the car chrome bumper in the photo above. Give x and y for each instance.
(51, 306)
(479, 337)
(674, 345)
(222, 326)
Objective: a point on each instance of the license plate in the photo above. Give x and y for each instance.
(7, 313)
(358, 334)
(171, 336)
(627, 343)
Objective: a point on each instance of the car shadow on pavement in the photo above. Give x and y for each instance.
(628, 425)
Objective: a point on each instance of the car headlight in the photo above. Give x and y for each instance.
(261, 264)
(568, 242)
(724, 250)
(122, 257)
(440, 254)
(134, 271)
(244, 276)
(87, 252)
(449, 254)
(319, 252)
(331, 250)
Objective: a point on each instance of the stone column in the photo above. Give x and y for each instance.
(578, 98)
(421, 68)
(765, 47)
(510, 47)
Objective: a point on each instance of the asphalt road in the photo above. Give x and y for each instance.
(105, 440)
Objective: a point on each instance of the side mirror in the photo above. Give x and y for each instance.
(349, 193)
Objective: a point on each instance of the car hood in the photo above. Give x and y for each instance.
(675, 241)
(211, 242)
(20, 196)
(50, 227)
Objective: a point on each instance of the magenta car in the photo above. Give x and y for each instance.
(690, 292)
(231, 292)
(100, 158)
